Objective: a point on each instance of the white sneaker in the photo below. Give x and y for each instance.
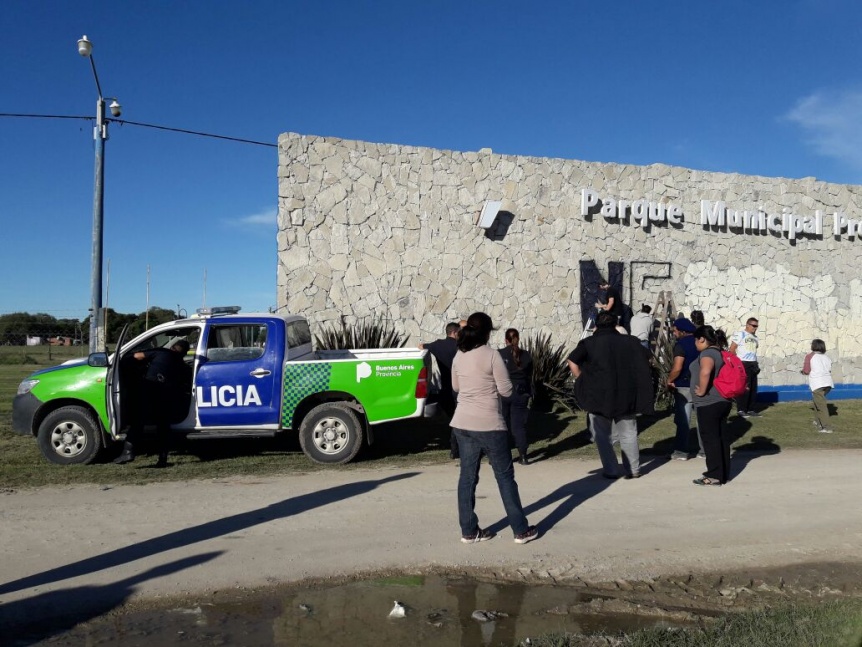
(825, 431)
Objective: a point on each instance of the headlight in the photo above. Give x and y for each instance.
(26, 386)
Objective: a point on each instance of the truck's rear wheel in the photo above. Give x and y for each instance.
(331, 433)
(69, 436)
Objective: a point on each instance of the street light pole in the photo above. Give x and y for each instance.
(100, 134)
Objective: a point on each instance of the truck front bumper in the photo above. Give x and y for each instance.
(24, 408)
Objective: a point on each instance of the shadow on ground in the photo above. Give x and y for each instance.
(40, 617)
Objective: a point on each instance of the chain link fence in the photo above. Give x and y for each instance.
(41, 338)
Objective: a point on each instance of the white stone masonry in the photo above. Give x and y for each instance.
(391, 231)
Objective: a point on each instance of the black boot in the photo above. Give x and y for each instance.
(128, 454)
(522, 459)
(163, 460)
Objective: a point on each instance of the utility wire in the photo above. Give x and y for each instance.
(193, 132)
(143, 125)
(15, 114)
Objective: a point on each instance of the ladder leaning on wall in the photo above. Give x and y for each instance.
(589, 327)
(663, 316)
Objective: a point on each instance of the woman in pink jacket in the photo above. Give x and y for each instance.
(480, 379)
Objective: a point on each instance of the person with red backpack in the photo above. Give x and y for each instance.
(712, 407)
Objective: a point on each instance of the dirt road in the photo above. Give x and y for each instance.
(92, 547)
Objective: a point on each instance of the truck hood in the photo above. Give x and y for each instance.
(61, 367)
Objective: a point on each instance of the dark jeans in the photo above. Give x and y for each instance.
(495, 445)
(155, 403)
(682, 418)
(446, 400)
(746, 401)
(712, 424)
(515, 412)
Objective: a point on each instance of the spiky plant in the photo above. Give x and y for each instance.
(551, 376)
(365, 333)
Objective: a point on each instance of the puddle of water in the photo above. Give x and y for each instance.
(439, 612)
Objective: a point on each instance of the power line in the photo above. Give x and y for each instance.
(193, 132)
(144, 125)
(18, 114)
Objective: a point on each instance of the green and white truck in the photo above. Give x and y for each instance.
(251, 375)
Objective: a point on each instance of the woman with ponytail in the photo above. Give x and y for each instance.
(516, 407)
(480, 379)
(712, 408)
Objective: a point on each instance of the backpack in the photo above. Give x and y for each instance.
(731, 381)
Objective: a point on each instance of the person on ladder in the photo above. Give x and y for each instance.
(612, 302)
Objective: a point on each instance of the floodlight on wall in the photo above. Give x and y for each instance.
(489, 213)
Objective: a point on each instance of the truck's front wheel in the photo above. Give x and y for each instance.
(331, 433)
(69, 436)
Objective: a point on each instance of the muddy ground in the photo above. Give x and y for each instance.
(466, 608)
(786, 527)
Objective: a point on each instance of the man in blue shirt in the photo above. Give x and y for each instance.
(679, 379)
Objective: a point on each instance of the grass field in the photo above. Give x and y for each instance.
(829, 624)
(553, 433)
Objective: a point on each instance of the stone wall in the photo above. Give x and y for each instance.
(390, 230)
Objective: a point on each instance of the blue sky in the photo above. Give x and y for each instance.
(766, 88)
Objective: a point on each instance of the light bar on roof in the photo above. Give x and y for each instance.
(219, 310)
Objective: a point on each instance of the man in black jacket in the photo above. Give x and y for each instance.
(162, 390)
(444, 351)
(614, 385)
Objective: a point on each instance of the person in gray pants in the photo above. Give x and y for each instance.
(613, 384)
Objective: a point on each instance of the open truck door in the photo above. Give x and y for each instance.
(113, 386)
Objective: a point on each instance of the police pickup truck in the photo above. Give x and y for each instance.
(250, 375)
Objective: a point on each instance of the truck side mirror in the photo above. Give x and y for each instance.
(97, 359)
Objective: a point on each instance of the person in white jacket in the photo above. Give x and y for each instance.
(818, 367)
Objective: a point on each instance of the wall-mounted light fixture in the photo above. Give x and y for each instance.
(489, 213)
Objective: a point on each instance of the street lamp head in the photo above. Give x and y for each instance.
(85, 47)
(116, 108)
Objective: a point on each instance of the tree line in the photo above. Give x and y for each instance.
(16, 328)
